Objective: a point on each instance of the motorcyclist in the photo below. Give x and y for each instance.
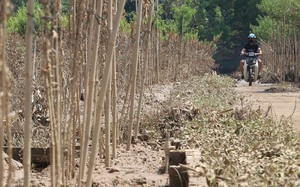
(251, 46)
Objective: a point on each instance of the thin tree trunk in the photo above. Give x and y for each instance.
(134, 72)
(3, 20)
(28, 92)
(181, 48)
(114, 97)
(122, 118)
(157, 48)
(92, 60)
(73, 107)
(70, 102)
(108, 94)
(107, 123)
(114, 108)
(295, 52)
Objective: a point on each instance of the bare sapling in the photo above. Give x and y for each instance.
(54, 95)
(73, 101)
(145, 67)
(104, 85)
(123, 115)
(152, 74)
(53, 90)
(92, 56)
(3, 91)
(157, 48)
(28, 92)
(114, 108)
(76, 32)
(134, 72)
(108, 93)
(107, 124)
(2, 84)
(294, 48)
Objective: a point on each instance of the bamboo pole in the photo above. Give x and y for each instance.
(134, 72)
(104, 85)
(145, 67)
(28, 92)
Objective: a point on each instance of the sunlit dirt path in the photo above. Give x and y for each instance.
(283, 103)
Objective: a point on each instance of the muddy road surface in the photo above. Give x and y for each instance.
(284, 102)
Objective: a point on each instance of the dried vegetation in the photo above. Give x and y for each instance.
(240, 146)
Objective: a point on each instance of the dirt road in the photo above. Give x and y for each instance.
(283, 103)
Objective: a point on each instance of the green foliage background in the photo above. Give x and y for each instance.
(223, 23)
(17, 22)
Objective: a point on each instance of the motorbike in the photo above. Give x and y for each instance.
(251, 67)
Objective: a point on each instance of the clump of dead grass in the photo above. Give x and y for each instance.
(240, 146)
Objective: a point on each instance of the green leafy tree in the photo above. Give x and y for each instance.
(245, 14)
(17, 3)
(65, 6)
(277, 13)
(17, 22)
(213, 20)
(183, 16)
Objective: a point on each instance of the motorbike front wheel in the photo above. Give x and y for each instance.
(250, 76)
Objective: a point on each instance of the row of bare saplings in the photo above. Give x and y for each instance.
(282, 55)
(95, 62)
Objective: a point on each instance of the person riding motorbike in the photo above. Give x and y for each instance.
(251, 46)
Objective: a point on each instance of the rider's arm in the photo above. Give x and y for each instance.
(259, 51)
(243, 51)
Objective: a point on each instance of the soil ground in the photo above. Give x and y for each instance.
(283, 102)
(143, 164)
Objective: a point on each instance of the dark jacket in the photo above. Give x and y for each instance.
(251, 48)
